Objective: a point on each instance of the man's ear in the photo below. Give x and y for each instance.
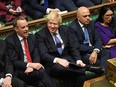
(15, 28)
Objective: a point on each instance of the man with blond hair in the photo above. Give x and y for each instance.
(58, 50)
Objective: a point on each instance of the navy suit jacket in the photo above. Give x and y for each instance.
(16, 54)
(5, 64)
(94, 37)
(48, 49)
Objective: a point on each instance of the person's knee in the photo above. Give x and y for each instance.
(18, 83)
(105, 53)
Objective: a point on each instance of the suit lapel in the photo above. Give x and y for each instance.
(18, 46)
(62, 35)
(2, 49)
(90, 31)
(50, 39)
(79, 29)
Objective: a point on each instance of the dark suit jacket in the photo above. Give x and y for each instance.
(60, 4)
(16, 53)
(87, 3)
(94, 37)
(48, 49)
(5, 64)
(35, 4)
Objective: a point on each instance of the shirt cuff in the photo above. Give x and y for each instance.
(48, 10)
(55, 60)
(10, 75)
(96, 50)
(27, 65)
(1, 81)
(78, 61)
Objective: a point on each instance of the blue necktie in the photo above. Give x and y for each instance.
(58, 43)
(86, 36)
(46, 3)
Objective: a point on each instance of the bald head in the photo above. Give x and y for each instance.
(82, 10)
(83, 15)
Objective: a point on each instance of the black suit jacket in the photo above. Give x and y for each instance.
(94, 37)
(16, 53)
(5, 64)
(48, 49)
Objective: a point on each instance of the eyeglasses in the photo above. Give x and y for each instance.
(109, 15)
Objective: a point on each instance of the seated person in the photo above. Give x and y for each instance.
(87, 3)
(25, 57)
(90, 44)
(57, 50)
(7, 78)
(38, 8)
(10, 9)
(106, 26)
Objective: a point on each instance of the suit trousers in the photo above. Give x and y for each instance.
(18, 83)
(60, 72)
(37, 78)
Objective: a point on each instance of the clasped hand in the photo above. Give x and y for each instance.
(63, 62)
(33, 66)
(7, 82)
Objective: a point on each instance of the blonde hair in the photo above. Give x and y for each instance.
(54, 15)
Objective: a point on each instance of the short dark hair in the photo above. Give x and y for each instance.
(18, 18)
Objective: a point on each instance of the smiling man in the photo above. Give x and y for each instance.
(57, 50)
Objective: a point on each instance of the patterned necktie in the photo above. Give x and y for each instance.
(86, 36)
(58, 43)
(46, 3)
(27, 51)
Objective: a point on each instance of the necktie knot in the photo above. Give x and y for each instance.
(54, 33)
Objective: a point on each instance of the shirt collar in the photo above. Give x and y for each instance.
(20, 38)
(81, 24)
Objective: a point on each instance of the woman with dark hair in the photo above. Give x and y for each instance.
(106, 26)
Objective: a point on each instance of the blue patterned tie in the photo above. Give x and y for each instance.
(46, 3)
(86, 36)
(58, 43)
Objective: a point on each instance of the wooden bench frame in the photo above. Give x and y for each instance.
(89, 82)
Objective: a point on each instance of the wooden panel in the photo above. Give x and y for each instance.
(111, 71)
(89, 82)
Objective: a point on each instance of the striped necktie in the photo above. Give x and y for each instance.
(86, 36)
(58, 43)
